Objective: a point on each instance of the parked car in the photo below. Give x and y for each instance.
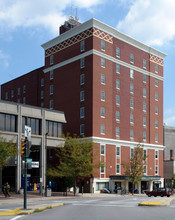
(160, 192)
(105, 190)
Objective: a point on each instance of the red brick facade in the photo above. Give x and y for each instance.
(67, 87)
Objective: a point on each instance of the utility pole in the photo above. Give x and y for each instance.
(25, 175)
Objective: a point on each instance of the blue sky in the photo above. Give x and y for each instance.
(25, 25)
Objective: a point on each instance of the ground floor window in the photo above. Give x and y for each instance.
(100, 186)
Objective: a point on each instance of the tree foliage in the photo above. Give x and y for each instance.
(75, 160)
(8, 150)
(134, 169)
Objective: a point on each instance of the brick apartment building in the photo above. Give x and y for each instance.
(110, 87)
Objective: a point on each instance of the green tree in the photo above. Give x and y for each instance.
(8, 150)
(134, 169)
(75, 160)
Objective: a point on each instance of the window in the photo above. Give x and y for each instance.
(51, 89)
(156, 82)
(51, 75)
(144, 121)
(118, 68)
(131, 74)
(156, 96)
(118, 168)
(156, 154)
(82, 46)
(102, 45)
(144, 78)
(117, 116)
(8, 122)
(102, 185)
(156, 68)
(102, 149)
(132, 152)
(145, 170)
(131, 118)
(145, 153)
(42, 94)
(117, 100)
(24, 100)
(156, 123)
(81, 129)
(42, 104)
(156, 110)
(131, 133)
(102, 112)
(12, 93)
(42, 82)
(131, 58)
(19, 91)
(156, 170)
(144, 107)
(82, 112)
(131, 103)
(102, 129)
(24, 89)
(144, 92)
(102, 62)
(51, 104)
(118, 151)
(118, 52)
(18, 100)
(51, 59)
(102, 169)
(117, 132)
(82, 79)
(131, 88)
(102, 96)
(117, 84)
(82, 96)
(54, 129)
(156, 137)
(144, 63)
(82, 62)
(6, 95)
(144, 136)
(102, 78)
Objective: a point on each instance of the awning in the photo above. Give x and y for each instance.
(120, 177)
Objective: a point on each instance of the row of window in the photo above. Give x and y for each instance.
(18, 92)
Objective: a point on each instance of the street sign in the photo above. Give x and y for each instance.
(29, 160)
(35, 164)
(27, 132)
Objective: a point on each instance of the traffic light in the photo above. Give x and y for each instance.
(22, 147)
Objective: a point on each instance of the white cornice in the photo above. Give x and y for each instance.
(98, 53)
(108, 29)
(125, 143)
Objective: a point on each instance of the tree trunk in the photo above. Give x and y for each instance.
(75, 186)
(132, 188)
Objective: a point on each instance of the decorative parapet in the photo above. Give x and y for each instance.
(155, 59)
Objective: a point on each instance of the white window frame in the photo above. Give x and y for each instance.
(103, 45)
(117, 84)
(144, 107)
(103, 62)
(156, 138)
(144, 78)
(102, 112)
(118, 52)
(117, 131)
(132, 103)
(82, 112)
(82, 96)
(117, 100)
(103, 79)
(156, 96)
(131, 134)
(102, 152)
(102, 129)
(156, 110)
(131, 58)
(82, 46)
(117, 168)
(131, 88)
(156, 123)
(131, 152)
(117, 68)
(131, 74)
(145, 170)
(144, 92)
(144, 121)
(156, 169)
(144, 135)
(103, 96)
(117, 115)
(117, 151)
(131, 118)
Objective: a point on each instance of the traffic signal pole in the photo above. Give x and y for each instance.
(25, 175)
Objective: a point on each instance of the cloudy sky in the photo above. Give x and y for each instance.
(25, 25)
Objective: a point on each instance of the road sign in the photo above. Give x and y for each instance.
(35, 164)
(29, 160)
(28, 132)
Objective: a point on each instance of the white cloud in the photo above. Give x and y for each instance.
(150, 21)
(37, 13)
(169, 116)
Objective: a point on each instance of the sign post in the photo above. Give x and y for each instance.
(27, 138)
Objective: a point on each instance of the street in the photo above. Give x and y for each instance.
(119, 208)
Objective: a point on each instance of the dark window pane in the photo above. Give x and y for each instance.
(2, 122)
(13, 123)
(7, 123)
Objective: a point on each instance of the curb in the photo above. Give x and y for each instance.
(154, 204)
(18, 211)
